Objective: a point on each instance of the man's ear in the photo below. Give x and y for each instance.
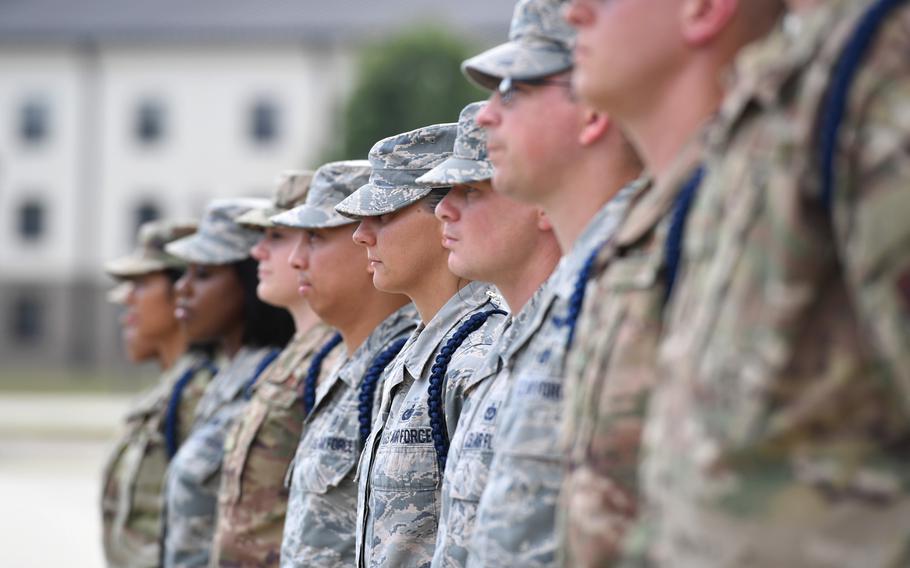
(596, 125)
(703, 20)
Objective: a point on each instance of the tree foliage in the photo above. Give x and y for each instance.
(409, 81)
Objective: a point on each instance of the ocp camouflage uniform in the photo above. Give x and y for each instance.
(399, 476)
(133, 479)
(471, 448)
(194, 474)
(612, 369)
(782, 433)
(321, 521)
(516, 515)
(252, 499)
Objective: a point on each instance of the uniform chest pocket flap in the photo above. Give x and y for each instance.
(631, 273)
(278, 395)
(321, 470)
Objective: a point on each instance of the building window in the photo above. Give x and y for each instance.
(264, 117)
(31, 220)
(150, 122)
(34, 122)
(27, 319)
(146, 211)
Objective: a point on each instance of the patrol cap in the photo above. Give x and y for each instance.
(149, 255)
(397, 163)
(468, 162)
(219, 239)
(292, 190)
(331, 184)
(540, 44)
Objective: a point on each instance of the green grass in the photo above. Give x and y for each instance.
(76, 381)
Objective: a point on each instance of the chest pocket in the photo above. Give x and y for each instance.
(474, 441)
(272, 401)
(200, 457)
(529, 425)
(320, 471)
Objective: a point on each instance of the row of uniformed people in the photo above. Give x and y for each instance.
(437, 430)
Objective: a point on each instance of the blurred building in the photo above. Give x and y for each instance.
(113, 112)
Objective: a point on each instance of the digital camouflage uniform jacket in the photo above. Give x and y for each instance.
(781, 435)
(471, 449)
(133, 480)
(516, 514)
(322, 511)
(252, 500)
(399, 478)
(612, 369)
(194, 475)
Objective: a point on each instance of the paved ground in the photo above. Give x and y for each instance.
(51, 453)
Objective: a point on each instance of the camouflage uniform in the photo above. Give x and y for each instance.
(321, 520)
(515, 519)
(399, 477)
(320, 524)
(193, 476)
(252, 500)
(782, 432)
(133, 478)
(611, 371)
(258, 450)
(471, 451)
(516, 514)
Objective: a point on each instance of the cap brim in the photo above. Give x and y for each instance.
(258, 218)
(370, 200)
(519, 61)
(457, 170)
(201, 250)
(128, 266)
(308, 217)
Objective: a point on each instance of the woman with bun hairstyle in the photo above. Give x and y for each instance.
(217, 301)
(400, 470)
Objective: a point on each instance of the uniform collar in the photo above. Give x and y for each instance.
(426, 338)
(355, 366)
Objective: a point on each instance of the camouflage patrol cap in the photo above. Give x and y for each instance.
(397, 163)
(292, 190)
(219, 239)
(468, 162)
(332, 183)
(149, 255)
(540, 44)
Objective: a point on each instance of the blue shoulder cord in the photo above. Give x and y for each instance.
(836, 100)
(172, 413)
(577, 299)
(437, 380)
(677, 230)
(312, 373)
(265, 362)
(368, 387)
